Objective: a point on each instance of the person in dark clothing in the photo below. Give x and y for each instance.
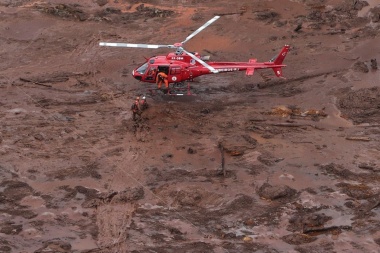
(136, 109)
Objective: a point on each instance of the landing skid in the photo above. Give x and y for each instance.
(175, 89)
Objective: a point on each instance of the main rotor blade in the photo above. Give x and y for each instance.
(201, 28)
(108, 44)
(202, 62)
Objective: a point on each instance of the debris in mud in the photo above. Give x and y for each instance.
(72, 11)
(57, 77)
(44, 80)
(360, 66)
(165, 157)
(375, 14)
(90, 170)
(268, 191)
(191, 151)
(298, 239)
(366, 166)
(282, 111)
(298, 28)
(5, 248)
(337, 170)
(241, 201)
(374, 64)
(324, 246)
(307, 222)
(107, 96)
(9, 228)
(266, 15)
(268, 159)
(16, 190)
(38, 83)
(361, 106)
(357, 191)
(130, 194)
(247, 239)
(197, 16)
(237, 145)
(153, 12)
(358, 138)
(55, 245)
(286, 111)
(101, 2)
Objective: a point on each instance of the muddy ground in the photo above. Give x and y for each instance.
(301, 155)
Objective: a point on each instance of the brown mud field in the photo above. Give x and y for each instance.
(301, 155)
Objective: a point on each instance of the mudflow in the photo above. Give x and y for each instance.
(247, 164)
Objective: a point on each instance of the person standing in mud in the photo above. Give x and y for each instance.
(136, 109)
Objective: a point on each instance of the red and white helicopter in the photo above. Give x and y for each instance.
(181, 65)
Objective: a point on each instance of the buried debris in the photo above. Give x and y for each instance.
(358, 138)
(221, 148)
(286, 111)
(373, 64)
(268, 191)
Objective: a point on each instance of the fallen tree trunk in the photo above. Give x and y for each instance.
(33, 82)
(358, 138)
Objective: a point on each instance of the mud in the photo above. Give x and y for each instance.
(247, 164)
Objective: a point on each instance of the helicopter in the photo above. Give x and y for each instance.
(182, 65)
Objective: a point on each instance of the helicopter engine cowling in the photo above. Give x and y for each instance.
(205, 58)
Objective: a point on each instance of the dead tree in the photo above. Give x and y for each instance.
(221, 148)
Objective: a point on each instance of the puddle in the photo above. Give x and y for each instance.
(334, 118)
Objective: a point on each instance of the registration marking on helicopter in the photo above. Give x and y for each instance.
(228, 69)
(178, 58)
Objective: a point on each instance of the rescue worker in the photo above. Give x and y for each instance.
(162, 78)
(143, 103)
(136, 109)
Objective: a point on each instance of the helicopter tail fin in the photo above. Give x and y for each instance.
(281, 56)
(278, 61)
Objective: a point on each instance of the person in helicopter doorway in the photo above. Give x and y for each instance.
(162, 78)
(136, 109)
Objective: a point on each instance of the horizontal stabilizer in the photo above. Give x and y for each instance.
(250, 71)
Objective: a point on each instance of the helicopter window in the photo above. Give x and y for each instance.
(152, 71)
(142, 68)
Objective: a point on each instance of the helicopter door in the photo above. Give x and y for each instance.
(175, 73)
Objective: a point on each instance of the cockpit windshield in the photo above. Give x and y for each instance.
(142, 69)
